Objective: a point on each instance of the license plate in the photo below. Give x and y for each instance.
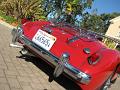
(44, 39)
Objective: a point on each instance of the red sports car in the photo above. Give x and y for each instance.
(78, 53)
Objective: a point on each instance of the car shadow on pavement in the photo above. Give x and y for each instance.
(65, 82)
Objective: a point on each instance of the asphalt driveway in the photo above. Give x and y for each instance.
(30, 73)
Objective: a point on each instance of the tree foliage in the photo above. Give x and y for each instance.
(68, 9)
(98, 23)
(2, 1)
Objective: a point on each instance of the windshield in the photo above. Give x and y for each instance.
(78, 32)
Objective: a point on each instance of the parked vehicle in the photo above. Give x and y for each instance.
(79, 54)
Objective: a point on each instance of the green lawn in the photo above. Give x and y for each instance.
(6, 18)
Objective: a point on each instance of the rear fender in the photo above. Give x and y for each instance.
(118, 66)
(113, 57)
(113, 65)
(118, 69)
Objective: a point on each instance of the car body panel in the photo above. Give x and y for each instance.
(99, 72)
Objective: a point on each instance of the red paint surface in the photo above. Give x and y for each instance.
(78, 58)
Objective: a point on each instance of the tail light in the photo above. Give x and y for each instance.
(94, 58)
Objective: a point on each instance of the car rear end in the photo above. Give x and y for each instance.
(77, 57)
(51, 47)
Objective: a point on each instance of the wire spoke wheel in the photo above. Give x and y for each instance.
(109, 81)
(107, 84)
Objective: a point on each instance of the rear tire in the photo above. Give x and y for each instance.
(107, 84)
(109, 81)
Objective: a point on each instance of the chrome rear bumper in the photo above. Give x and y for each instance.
(73, 72)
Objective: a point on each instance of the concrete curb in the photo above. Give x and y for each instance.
(6, 24)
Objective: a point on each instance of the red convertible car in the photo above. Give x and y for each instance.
(77, 53)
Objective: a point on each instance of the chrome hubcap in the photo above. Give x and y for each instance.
(107, 84)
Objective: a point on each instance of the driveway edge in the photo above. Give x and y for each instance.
(6, 24)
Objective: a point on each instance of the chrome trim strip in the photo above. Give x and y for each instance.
(69, 69)
(56, 59)
(51, 58)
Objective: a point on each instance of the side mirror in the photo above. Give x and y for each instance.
(24, 20)
(27, 19)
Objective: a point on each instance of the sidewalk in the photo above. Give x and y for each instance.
(6, 24)
(21, 74)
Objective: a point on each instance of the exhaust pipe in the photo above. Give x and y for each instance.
(16, 46)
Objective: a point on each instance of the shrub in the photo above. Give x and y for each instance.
(22, 8)
(8, 19)
(109, 43)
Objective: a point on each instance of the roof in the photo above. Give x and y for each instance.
(115, 19)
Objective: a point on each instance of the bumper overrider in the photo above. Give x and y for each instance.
(61, 63)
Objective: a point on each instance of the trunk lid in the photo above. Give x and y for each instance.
(75, 48)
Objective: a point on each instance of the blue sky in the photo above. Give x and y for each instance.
(106, 6)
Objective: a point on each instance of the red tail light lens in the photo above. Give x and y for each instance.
(94, 58)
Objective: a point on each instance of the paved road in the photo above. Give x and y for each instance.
(17, 73)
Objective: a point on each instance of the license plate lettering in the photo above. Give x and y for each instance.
(44, 39)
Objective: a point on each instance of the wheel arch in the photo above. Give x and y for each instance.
(118, 69)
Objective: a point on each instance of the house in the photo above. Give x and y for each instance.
(114, 29)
